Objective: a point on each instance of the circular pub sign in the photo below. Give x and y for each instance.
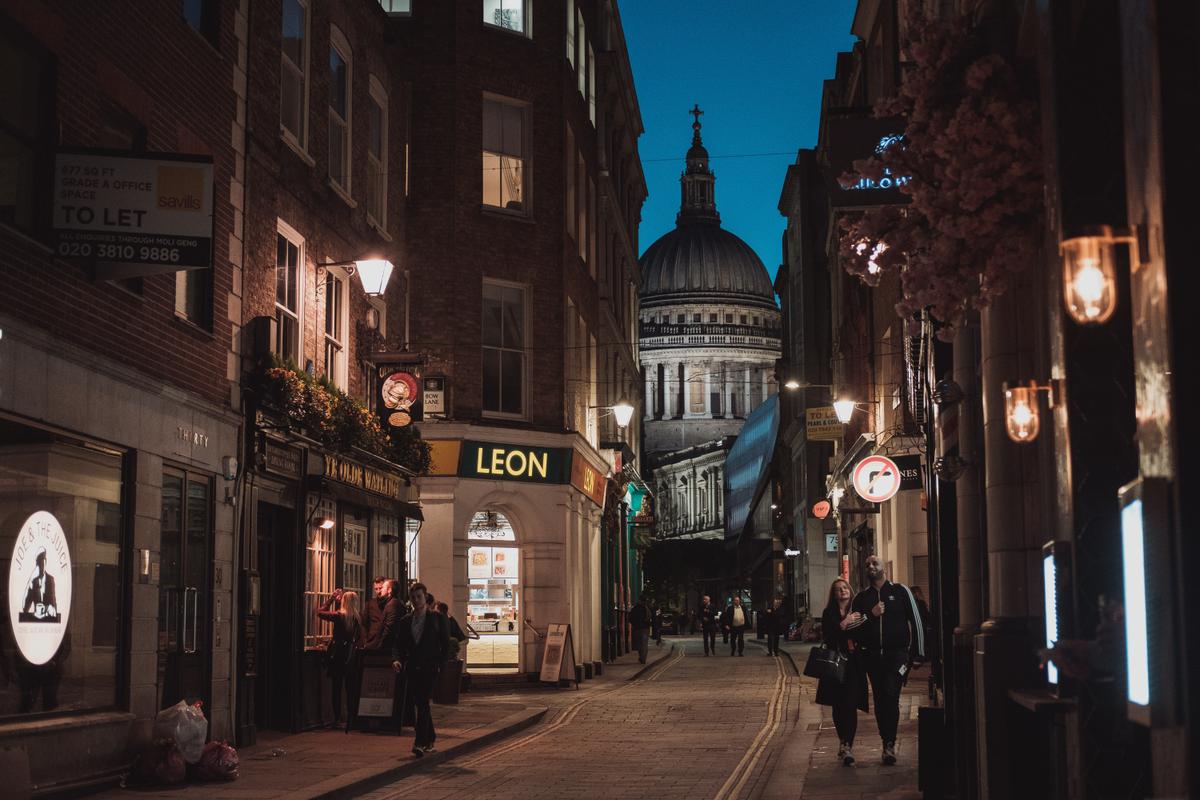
(876, 479)
(39, 587)
(399, 392)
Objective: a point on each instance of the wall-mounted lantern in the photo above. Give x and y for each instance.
(1090, 271)
(1022, 415)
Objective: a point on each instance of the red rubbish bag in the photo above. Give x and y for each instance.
(218, 762)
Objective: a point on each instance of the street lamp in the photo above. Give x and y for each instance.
(843, 408)
(796, 383)
(1090, 271)
(373, 273)
(622, 412)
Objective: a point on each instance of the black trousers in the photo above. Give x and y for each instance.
(845, 707)
(883, 670)
(419, 689)
(773, 644)
(737, 640)
(345, 675)
(710, 641)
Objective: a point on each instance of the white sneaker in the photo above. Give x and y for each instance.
(847, 755)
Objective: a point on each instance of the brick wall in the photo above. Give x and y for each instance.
(178, 86)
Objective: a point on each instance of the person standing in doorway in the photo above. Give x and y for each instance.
(735, 621)
(891, 636)
(709, 617)
(776, 623)
(342, 656)
(849, 695)
(380, 615)
(421, 645)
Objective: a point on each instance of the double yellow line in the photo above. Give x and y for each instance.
(776, 711)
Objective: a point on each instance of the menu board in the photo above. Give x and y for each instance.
(484, 563)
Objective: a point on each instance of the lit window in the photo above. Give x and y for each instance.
(511, 15)
(354, 559)
(339, 109)
(377, 154)
(335, 328)
(294, 61)
(397, 7)
(503, 154)
(320, 572)
(591, 90)
(289, 269)
(503, 349)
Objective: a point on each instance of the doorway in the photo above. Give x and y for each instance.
(185, 589)
(275, 708)
(493, 594)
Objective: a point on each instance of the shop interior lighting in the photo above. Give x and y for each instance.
(1050, 592)
(1022, 413)
(1090, 271)
(324, 523)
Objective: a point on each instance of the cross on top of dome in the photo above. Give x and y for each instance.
(697, 113)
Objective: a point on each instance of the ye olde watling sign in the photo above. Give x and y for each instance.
(39, 587)
(363, 477)
(147, 214)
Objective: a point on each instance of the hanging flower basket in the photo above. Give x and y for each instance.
(971, 150)
(336, 420)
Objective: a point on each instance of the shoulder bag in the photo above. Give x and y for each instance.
(824, 662)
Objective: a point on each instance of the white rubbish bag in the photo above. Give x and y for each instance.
(186, 725)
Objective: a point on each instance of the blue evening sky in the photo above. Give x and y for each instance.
(756, 68)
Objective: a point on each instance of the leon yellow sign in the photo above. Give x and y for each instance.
(822, 424)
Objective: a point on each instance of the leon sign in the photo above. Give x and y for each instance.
(134, 215)
(514, 462)
(39, 587)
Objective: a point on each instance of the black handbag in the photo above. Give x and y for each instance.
(824, 662)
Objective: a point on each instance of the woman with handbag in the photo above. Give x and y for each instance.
(849, 694)
(342, 655)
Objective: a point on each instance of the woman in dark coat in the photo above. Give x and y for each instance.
(349, 636)
(849, 696)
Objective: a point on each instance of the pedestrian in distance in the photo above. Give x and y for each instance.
(343, 653)
(422, 642)
(656, 622)
(849, 696)
(709, 618)
(640, 619)
(776, 625)
(888, 640)
(735, 621)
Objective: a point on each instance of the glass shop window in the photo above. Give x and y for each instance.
(320, 571)
(61, 544)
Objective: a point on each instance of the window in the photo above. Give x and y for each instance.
(339, 109)
(398, 8)
(581, 51)
(581, 212)
(572, 184)
(204, 17)
(696, 394)
(335, 328)
(695, 317)
(354, 558)
(387, 545)
(503, 154)
(511, 15)
(591, 90)
(68, 614)
(503, 349)
(680, 318)
(320, 572)
(729, 319)
(377, 154)
(571, 34)
(289, 272)
(26, 123)
(193, 296)
(592, 228)
(293, 105)
(744, 319)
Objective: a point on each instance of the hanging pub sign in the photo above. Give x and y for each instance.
(133, 215)
(855, 135)
(910, 472)
(39, 587)
(399, 400)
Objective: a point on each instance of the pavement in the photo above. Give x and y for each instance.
(685, 725)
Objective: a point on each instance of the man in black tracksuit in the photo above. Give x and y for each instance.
(890, 634)
(708, 623)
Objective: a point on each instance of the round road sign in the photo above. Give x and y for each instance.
(876, 479)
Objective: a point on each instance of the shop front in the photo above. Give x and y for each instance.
(115, 555)
(512, 540)
(314, 521)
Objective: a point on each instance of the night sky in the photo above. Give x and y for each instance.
(756, 69)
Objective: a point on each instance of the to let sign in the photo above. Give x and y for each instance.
(822, 424)
(134, 215)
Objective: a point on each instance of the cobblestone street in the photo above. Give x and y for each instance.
(689, 727)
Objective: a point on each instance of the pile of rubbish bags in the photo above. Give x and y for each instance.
(179, 752)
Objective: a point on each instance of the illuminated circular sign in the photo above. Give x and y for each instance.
(820, 509)
(876, 479)
(39, 587)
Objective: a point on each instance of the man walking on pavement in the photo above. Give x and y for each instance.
(708, 624)
(421, 644)
(639, 619)
(892, 634)
(736, 619)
